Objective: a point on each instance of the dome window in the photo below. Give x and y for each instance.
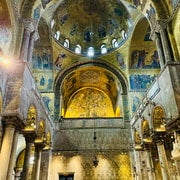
(52, 23)
(103, 49)
(114, 43)
(57, 35)
(90, 51)
(78, 49)
(66, 43)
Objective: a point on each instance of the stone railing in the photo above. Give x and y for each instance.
(90, 123)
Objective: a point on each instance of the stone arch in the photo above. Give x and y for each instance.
(142, 50)
(44, 39)
(158, 118)
(62, 74)
(161, 9)
(27, 8)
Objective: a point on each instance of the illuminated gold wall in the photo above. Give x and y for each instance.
(90, 102)
(111, 166)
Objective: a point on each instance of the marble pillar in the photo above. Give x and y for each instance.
(163, 161)
(138, 165)
(34, 36)
(162, 28)
(38, 153)
(28, 29)
(6, 149)
(157, 40)
(27, 166)
(13, 156)
(150, 168)
(176, 153)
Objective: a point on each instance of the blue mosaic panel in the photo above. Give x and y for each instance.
(141, 81)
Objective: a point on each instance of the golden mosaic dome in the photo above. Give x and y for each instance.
(92, 27)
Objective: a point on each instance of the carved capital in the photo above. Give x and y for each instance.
(158, 137)
(29, 137)
(161, 25)
(13, 121)
(39, 146)
(29, 25)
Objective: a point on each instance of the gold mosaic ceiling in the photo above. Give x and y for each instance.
(92, 23)
(90, 77)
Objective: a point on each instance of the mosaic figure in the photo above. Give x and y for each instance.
(59, 60)
(120, 60)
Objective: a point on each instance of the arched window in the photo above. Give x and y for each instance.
(52, 23)
(103, 49)
(57, 35)
(114, 43)
(90, 51)
(78, 49)
(123, 33)
(66, 43)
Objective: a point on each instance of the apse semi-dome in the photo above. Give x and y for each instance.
(91, 27)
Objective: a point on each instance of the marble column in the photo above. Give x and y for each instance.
(150, 168)
(13, 156)
(177, 165)
(162, 28)
(143, 165)
(138, 166)
(163, 161)
(176, 153)
(28, 29)
(157, 40)
(34, 36)
(27, 169)
(38, 153)
(1, 130)
(6, 148)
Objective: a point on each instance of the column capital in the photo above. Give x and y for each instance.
(39, 146)
(147, 147)
(158, 137)
(29, 137)
(29, 24)
(13, 121)
(161, 25)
